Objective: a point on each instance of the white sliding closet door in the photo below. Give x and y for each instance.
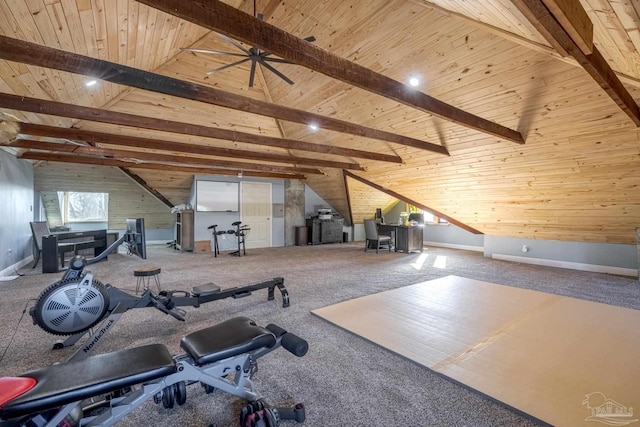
(255, 211)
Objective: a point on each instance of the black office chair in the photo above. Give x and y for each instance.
(39, 229)
(372, 237)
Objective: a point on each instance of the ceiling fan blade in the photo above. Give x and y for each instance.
(216, 52)
(278, 60)
(235, 43)
(274, 71)
(252, 73)
(224, 67)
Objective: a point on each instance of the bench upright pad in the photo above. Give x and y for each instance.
(227, 339)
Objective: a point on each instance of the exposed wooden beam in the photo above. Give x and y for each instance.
(597, 67)
(43, 56)
(539, 15)
(348, 196)
(412, 202)
(129, 155)
(165, 145)
(54, 108)
(225, 19)
(574, 19)
(144, 184)
(72, 158)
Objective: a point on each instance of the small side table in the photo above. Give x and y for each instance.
(144, 275)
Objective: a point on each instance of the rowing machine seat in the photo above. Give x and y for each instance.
(227, 339)
(73, 381)
(204, 290)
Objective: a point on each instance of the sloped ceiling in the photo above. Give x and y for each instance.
(574, 177)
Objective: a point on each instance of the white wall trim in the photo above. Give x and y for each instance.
(11, 270)
(631, 272)
(454, 246)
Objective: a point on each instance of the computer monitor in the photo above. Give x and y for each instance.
(417, 217)
(135, 237)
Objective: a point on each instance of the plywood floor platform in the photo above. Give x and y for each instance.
(564, 361)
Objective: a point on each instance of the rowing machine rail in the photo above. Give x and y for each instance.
(77, 302)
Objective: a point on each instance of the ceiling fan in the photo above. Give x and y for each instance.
(253, 54)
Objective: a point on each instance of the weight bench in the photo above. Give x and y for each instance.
(49, 395)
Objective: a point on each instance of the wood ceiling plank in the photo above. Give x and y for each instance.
(74, 25)
(25, 52)
(141, 34)
(104, 116)
(122, 7)
(218, 16)
(132, 33)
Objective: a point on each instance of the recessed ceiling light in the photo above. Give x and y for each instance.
(414, 81)
(91, 83)
(313, 126)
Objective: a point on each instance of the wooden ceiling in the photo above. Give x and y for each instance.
(525, 123)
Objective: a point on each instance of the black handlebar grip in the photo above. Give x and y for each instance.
(294, 344)
(277, 330)
(297, 413)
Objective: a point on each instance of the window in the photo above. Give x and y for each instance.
(430, 218)
(85, 207)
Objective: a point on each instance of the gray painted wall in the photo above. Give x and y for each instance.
(614, 255)
(16, 209)
(451, 236)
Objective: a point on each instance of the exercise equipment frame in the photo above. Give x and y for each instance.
(56, 394)
(77, 302)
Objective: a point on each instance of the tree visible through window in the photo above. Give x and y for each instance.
(85, 207)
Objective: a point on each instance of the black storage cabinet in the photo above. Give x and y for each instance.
(325, 230)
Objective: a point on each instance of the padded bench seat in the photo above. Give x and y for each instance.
(74, 381)
(227, 339)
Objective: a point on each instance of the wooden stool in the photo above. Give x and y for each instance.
(146, 273)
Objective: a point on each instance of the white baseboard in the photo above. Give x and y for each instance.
(631, 272)
(454, 246)
(157, 242)
(11, 270)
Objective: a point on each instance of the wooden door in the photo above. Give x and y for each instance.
(255, 211)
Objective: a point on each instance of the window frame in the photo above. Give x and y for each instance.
(65, 208)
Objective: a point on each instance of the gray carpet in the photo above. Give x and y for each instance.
(343, 380)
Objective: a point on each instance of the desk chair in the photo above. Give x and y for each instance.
(372, 236)
(39, 229)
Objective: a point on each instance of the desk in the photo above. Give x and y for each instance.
(405, 238)
(93, 240)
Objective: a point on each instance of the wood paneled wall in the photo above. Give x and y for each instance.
(126, 198)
